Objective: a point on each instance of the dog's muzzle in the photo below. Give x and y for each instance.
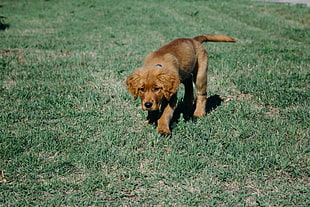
(148, 105)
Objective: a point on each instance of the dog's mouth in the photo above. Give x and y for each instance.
(147, 109)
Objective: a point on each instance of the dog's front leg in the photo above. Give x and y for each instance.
(163, 124)
(152, 117)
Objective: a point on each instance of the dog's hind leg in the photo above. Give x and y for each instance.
(188, 97)
(201, 83)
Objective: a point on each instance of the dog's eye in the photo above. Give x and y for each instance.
(142, 89)
(156, 89)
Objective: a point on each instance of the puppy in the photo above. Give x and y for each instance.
(156, 82)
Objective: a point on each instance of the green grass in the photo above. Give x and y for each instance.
(71, 134)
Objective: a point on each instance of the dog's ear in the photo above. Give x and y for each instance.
(132, 84)
(169, 81)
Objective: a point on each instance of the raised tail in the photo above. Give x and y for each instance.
(213, 38)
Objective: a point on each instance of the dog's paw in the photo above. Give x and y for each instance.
(199, 113)
(164, 131)
(149, 122)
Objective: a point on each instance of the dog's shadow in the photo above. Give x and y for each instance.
(212, 103)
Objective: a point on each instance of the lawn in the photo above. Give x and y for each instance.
(72, 135)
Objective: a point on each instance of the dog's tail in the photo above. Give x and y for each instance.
(213, 38)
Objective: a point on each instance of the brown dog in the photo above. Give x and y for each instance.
(180, 61)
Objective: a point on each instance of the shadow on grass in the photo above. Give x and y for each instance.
(212, 103)
(3, 25)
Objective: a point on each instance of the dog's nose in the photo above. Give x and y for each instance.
(148, 105)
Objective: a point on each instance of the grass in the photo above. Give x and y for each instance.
(71, 134)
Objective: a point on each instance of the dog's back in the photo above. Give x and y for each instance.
(179, 53)
(182, 52)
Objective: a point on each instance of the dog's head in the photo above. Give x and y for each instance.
(152, 85)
